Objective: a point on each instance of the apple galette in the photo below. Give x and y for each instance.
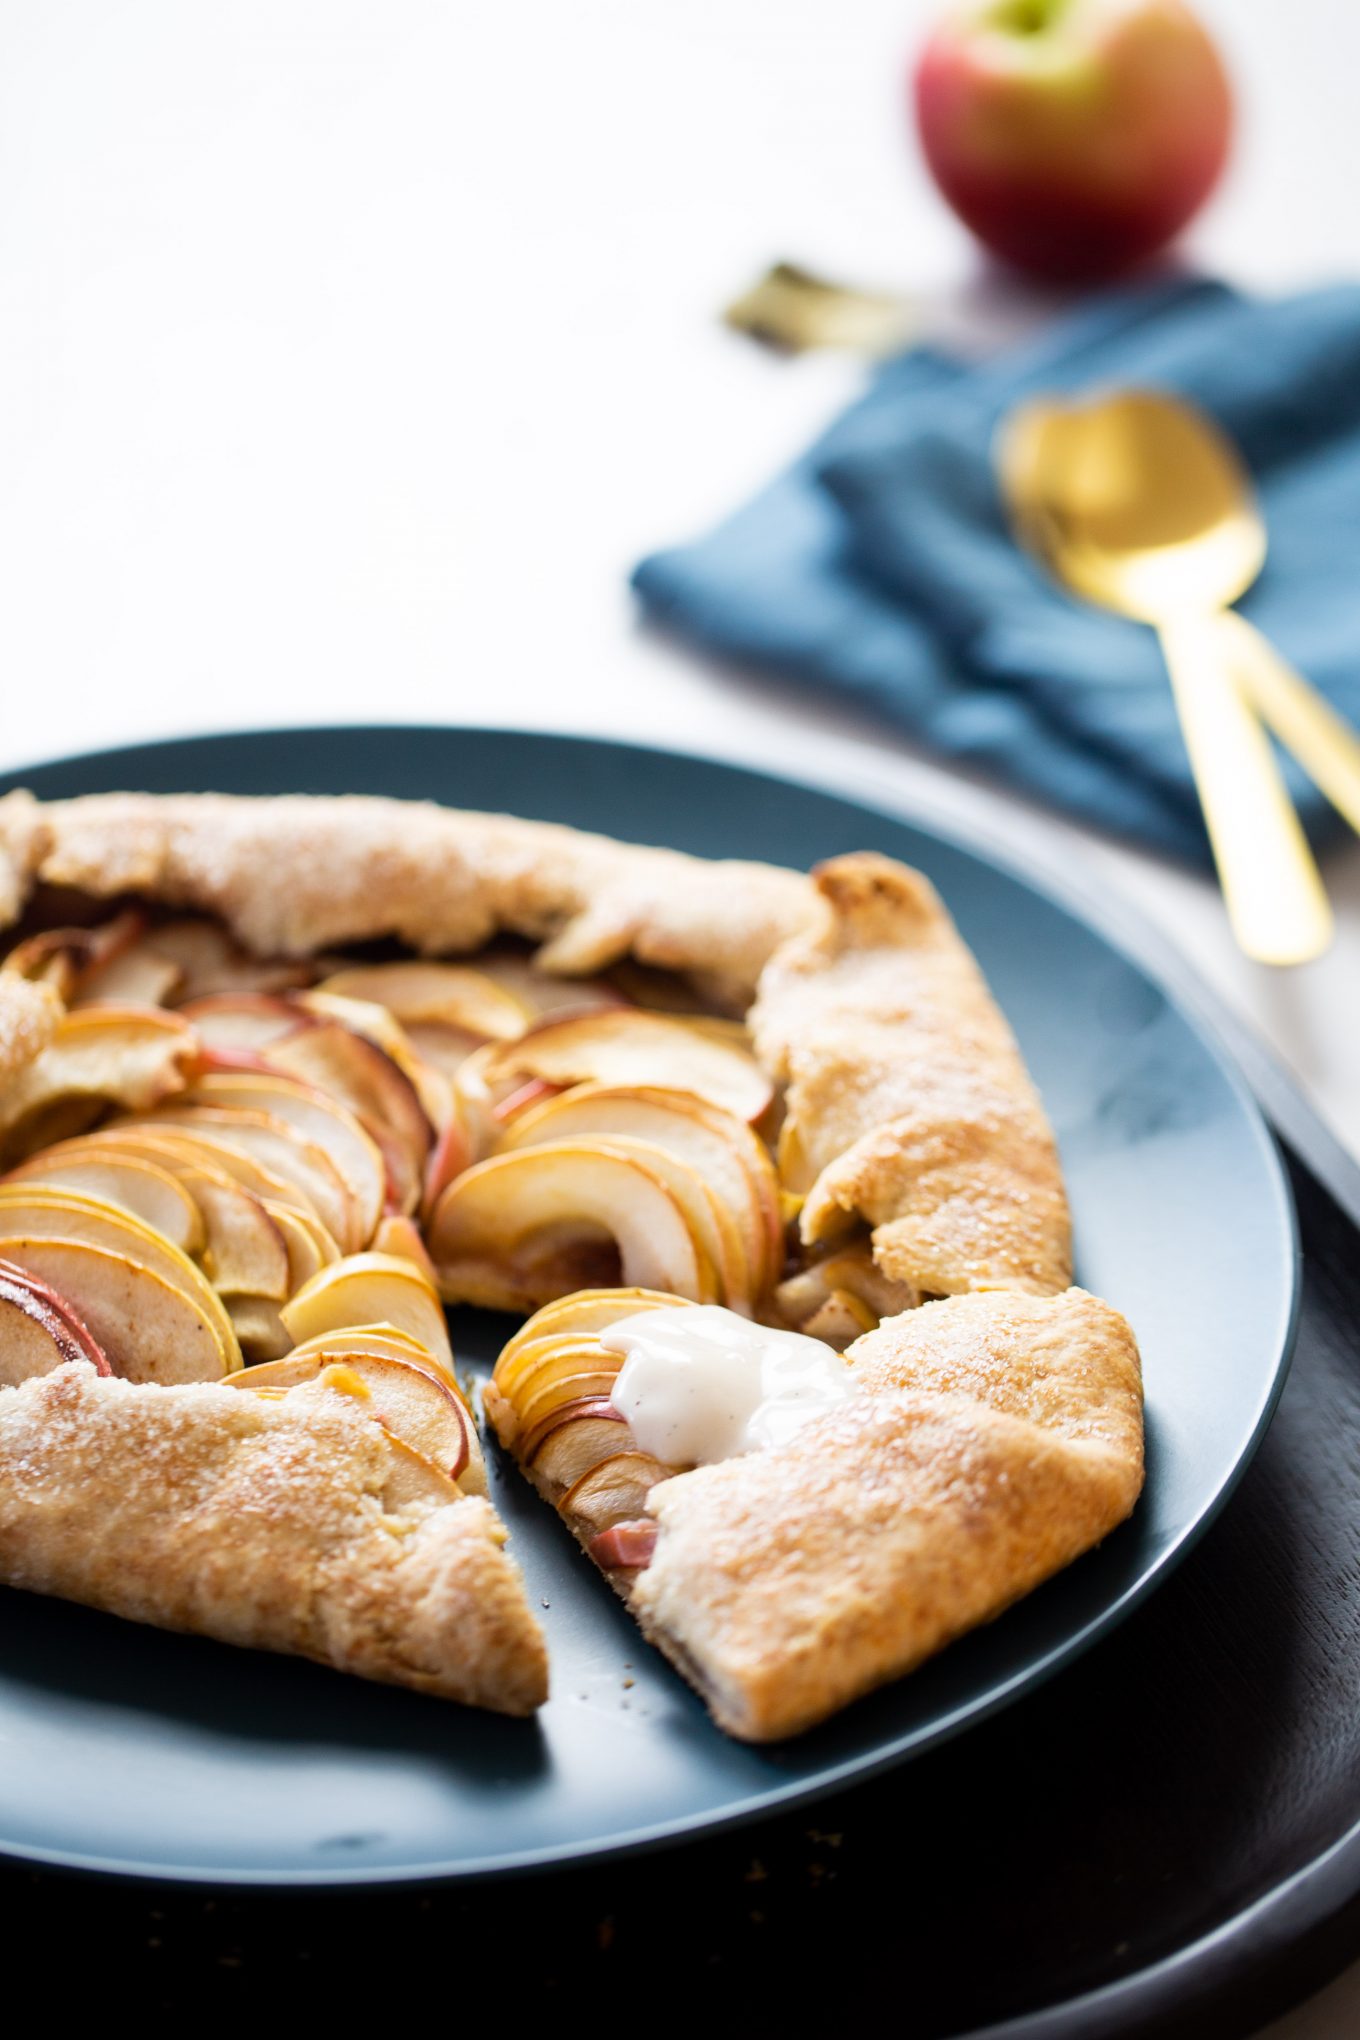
(754, 1155)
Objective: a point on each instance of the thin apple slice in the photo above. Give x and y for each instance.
(368, 1289)
(244, 1020)
(728, 1218)
(36, 1336)
(321, 1118)
(384, 1342)
(613, 1492)
(362, 1078)
(36, 1213)
(583, 1313)
(411, 1401)
(442, 1047)
(66, 957)
(627, 1546)
(636, 1049)
(415, 1481)
(100, 1055)
(447, 994)
(260, 1330)
(561, 1352)
(210, 961)
(374, 1023)
(732, 1160)
(542, 993)
(514, 1232)
(307, 1244)
(150, 1329)
(137, 977)
(549, 1396)
(75, 1325)
(280, 1148)
(397, 1234)
(243, 1247)
(149, 1193)
(576, 1438)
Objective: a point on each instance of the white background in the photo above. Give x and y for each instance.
(350, 353)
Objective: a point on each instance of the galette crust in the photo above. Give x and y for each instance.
(262, 1524)
(908, 1103)
(292, 874)
(996, 1439)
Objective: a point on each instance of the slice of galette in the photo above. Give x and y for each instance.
(278, 1078)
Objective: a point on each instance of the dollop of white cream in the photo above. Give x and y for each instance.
(700, 1384)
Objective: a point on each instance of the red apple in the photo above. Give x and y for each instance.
(1074, 137)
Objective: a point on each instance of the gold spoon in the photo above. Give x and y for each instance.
(1137, 502)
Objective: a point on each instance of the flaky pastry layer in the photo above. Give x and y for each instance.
(995, 1438)
(263, 1524)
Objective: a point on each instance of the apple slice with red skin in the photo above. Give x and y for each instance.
(139, 1187)
(627, 1546)
(69, 958)
(575, 1439)
(365, 1080)
(513, 1232)
(38, 1333)
(149, 1329)
(635, 1048)
(36, 1212)
(321, 1119)
(411, 1401)
(613, 1492)
(415, 1481)
(384, 1342)
(516, 1372)
(539, 1411)
(376, 1025)
(130, 1056)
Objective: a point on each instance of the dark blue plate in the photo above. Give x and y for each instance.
(123, 1749)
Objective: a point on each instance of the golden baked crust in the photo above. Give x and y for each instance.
(292, 874)
(263, 1524)
(997, 1438)
(908, 1104)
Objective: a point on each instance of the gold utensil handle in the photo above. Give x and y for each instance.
(1274, 893)
(1327, 747)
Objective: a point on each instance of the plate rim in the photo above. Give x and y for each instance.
(1022, 866)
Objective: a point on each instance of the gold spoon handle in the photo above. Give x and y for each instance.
(1279, 911)
(1327, 748)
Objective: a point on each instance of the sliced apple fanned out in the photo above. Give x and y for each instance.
(543, 993)
(731, 1159)
(248, 1021)
(38, 1331)
(258, 1146)
(33, 1212)
(633, 1048)
(549, 1401)
(149, 1328)
(210, 962)
(363, 1079)
(100, 1056)
(324, 1123)
(259, 1328)
(425, 1074)
(75, 959)
(132, 1184)
(516, 1231)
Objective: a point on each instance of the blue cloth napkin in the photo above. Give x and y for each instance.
(881, 566)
